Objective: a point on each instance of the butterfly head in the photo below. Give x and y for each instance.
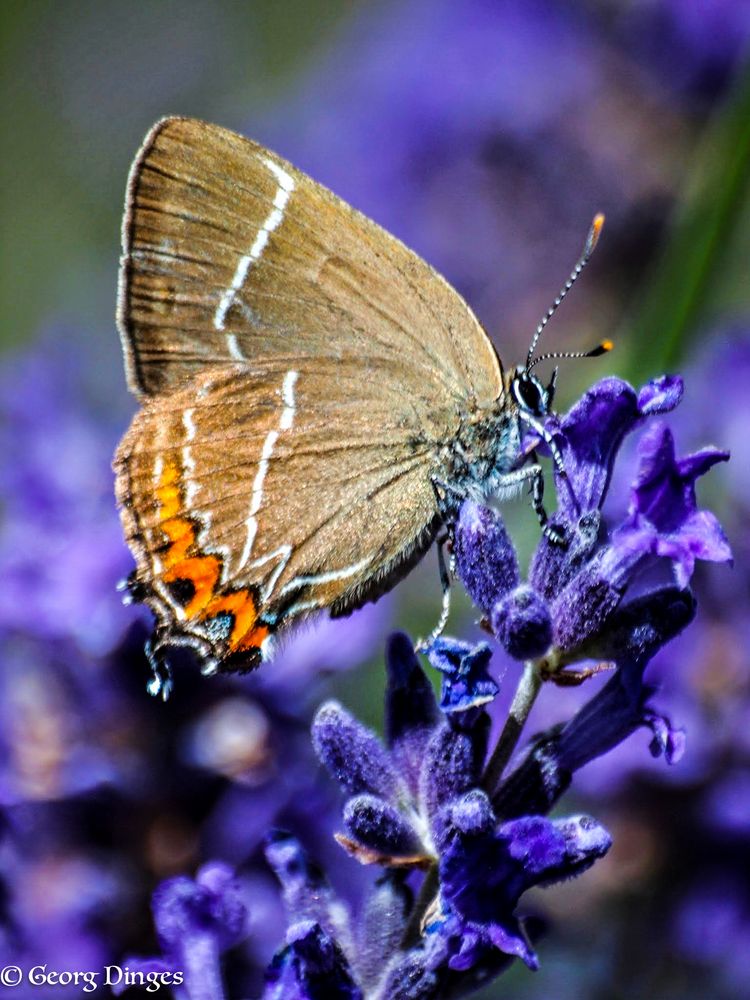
(530, 394)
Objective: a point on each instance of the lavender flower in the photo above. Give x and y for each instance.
(312, 964)
(101, 792)
(575, 601)
(418, 805)
(196, 921)
(61, 549)
(432, 799)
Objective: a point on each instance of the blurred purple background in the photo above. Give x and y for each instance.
(486, 135)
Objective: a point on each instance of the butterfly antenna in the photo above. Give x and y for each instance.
(591, 240)
(601, 348)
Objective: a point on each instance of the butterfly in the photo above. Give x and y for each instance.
(315, 400)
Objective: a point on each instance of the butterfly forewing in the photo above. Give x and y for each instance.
(300, 371)
(232, 253)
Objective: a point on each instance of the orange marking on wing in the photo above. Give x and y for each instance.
(253, 638)
(182, 535)
(179, 530)
(203, 572)
(168, 491)
(242, 605)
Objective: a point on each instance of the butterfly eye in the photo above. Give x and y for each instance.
(530, 394)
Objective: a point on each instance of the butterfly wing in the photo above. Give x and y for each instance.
(251, 500)
(300, 370)
(231, 254)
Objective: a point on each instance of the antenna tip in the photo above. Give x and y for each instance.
(603, 348)
(593, 237)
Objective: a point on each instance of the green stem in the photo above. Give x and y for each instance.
(523, 701)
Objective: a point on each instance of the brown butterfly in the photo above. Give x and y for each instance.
(316, 401)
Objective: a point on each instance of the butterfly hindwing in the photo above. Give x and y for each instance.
(248, 504)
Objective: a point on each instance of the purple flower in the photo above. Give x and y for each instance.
(522, 622)
(397, 792)
(486, 555)
(577, 606)
(484, 869)
(590, 435)
(575, 589)
(430, 798)
(698, 812)
(196, 921)
(310, 967)
(61, 547)
(663, 518)
(419, 804)
(102, 791)
(466, 680)
(326, 953)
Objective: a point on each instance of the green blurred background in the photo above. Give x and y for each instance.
(81, 83)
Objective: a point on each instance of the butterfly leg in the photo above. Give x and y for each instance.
(446, 570)
(537, 495)
(160, 683)
(534, 475)
(551, 531)
(132, 590)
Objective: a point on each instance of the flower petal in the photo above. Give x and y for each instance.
(381, 928)
(483, 871)
(353, 754)
(663, 517)
(522, 623)
(584, 606)
(411, 712)
(453, 764)
(639, 629)
(312, 966)
(486, 560)
(660, 395)
(668, 741)
(379, 826)
(553, 565)
(307, 894)
(589, 436)
(467, 683)
(209, 904)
